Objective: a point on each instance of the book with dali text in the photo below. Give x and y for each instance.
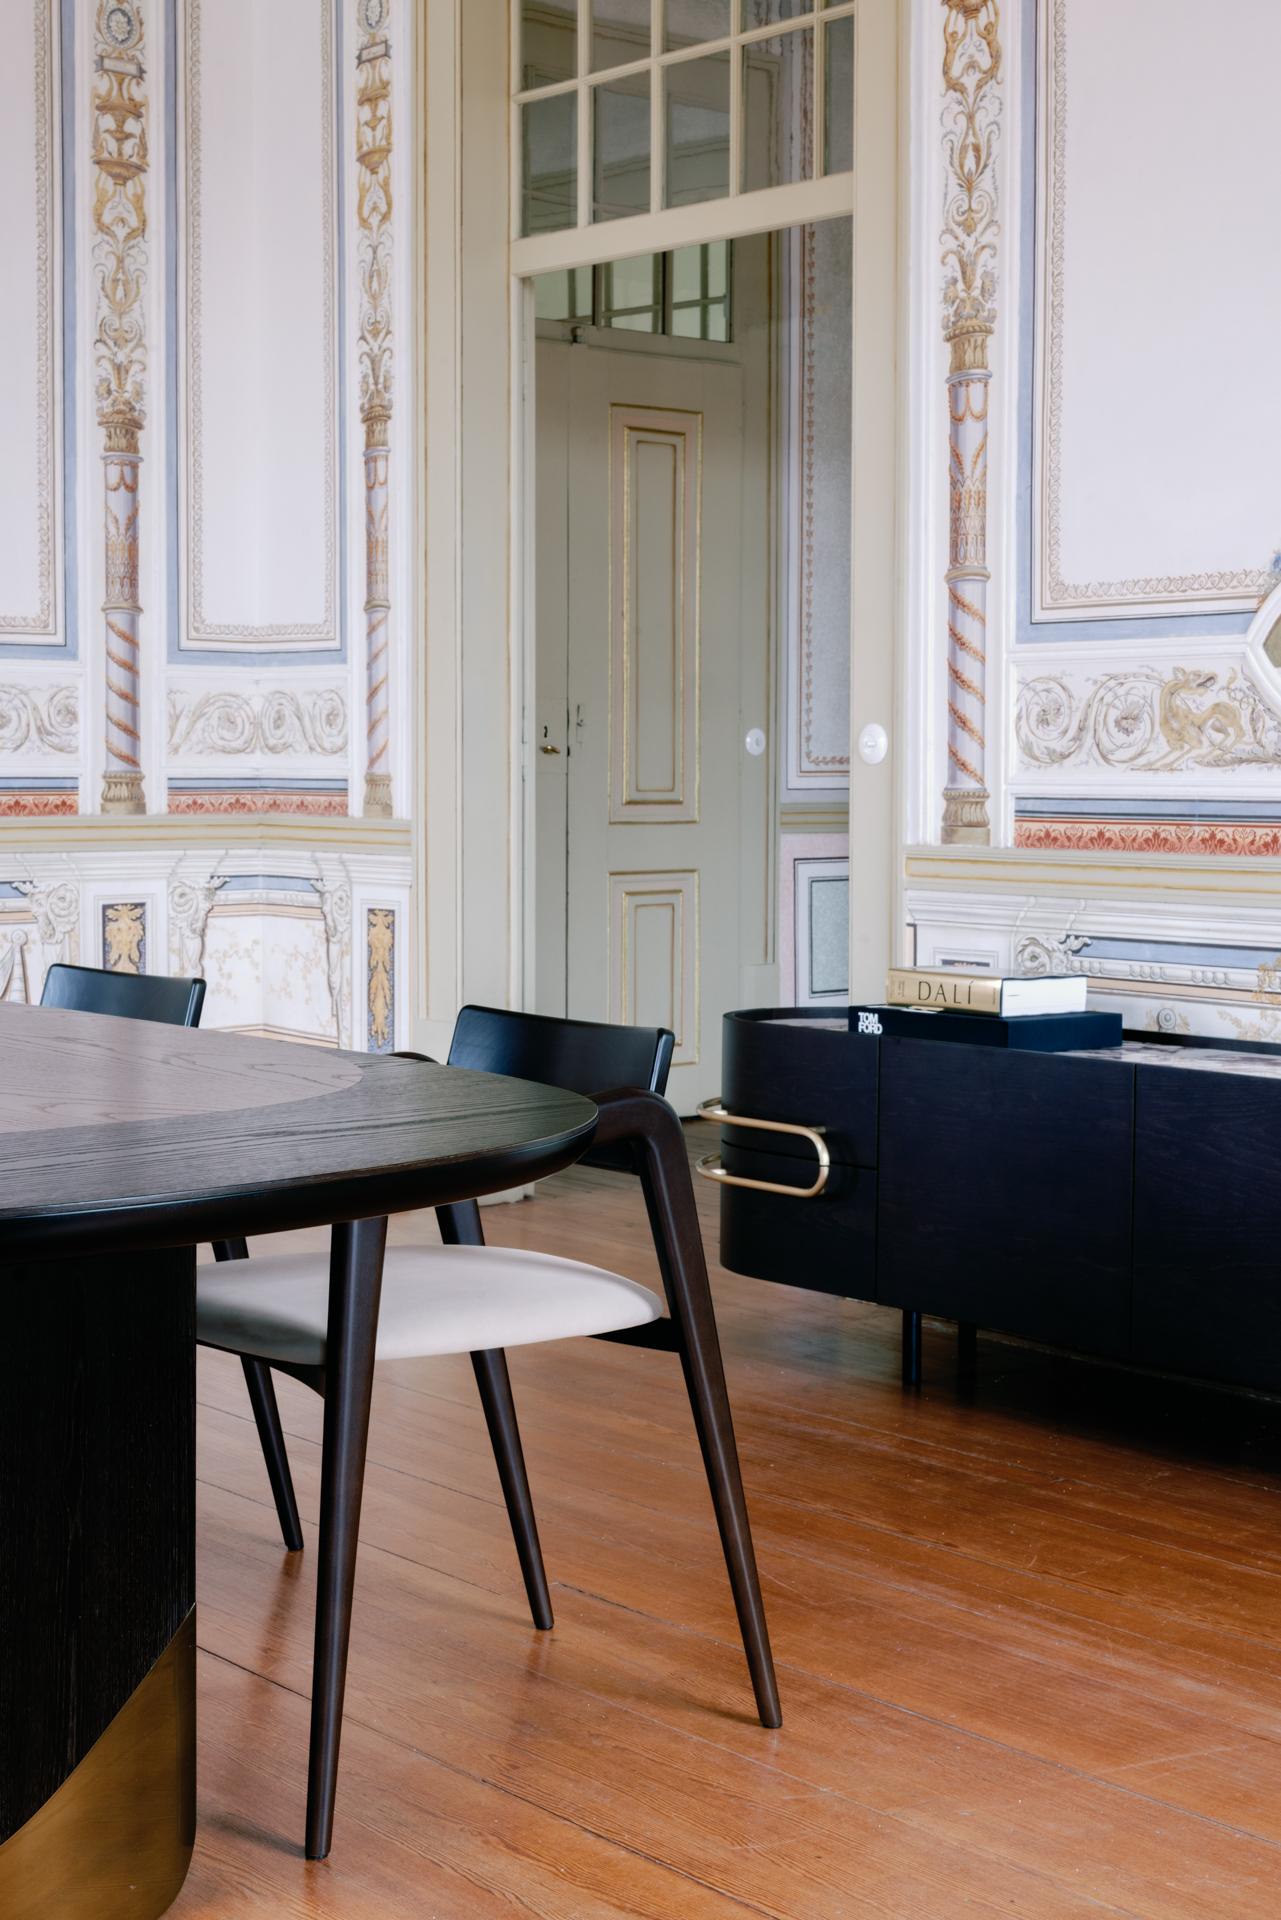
(948, 991)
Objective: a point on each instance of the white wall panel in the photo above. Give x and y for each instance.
(1159, 359)
(260, 432)
(29, 243)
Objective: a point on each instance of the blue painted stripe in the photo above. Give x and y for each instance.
(1039, 807)
(276, 882)
(224, 784)
(1191, 953)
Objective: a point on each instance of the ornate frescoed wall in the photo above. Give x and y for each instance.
(203, 585)
(1106, 513)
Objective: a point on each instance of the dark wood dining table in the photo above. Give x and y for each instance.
(123, 1145)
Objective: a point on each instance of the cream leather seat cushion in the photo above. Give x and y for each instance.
(434, 1300)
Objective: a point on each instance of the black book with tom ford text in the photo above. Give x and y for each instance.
(1029, 1032)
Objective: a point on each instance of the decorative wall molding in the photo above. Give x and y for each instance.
(972, 81)
(39, 721)
(244, 433)
(817, 453)
(37, 378)
(1058, 596)
(15, 975)
(191, 901)
(279, 722)
(653, 955)
(55, 908)
(1252, 839)
(656, 478)
(1146, 719)
(227, 802)
(1208, 963)
(334, 894)
(121, 160)
(374, 215)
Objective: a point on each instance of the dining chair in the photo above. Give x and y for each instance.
(131, 996)
(326, 1326)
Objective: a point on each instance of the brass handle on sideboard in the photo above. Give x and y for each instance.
(710, 1165)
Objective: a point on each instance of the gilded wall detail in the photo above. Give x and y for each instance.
(380, 967)
(124, 937)
(972, 74)
(120, 158)
(374, 213)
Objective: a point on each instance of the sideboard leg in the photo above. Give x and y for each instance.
(967, 1346)
(911, 1348)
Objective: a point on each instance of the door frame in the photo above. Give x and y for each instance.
(474, 920)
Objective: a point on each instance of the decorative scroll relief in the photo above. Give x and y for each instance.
(972, 72)
(36, 722)
(278, 723)
(1147, 720)
(259, 408)
(30, 474)
(374, 214)
(1158, 366)
(655, 563)
(653, 955)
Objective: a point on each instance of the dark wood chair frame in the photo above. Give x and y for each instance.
(637, 1132)
(639, 1126)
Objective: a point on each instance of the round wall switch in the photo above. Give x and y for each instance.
(755, 742)
(873, 744)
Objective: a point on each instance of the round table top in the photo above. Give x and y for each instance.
(126, 1133)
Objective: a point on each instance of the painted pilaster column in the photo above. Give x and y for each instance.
(374, 209)
(120, 263)
(971, 121)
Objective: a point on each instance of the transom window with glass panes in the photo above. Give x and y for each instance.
(685, 294)
(635, 106)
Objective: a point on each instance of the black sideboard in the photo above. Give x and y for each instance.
(1123, 1203)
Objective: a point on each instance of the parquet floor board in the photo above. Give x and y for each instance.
(1027, 1628)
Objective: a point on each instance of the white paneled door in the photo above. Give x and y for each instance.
(653, 657)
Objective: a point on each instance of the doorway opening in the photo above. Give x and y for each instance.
(691, 545)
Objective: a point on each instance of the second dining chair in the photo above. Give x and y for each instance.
(321, 1322)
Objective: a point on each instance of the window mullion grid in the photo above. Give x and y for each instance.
(735, 119)
(586, 158)
(818, 159)
(657, 114)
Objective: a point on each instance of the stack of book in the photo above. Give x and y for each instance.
(1045, 1013)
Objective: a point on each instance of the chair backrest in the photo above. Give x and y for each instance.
(583, 1056)
(130, 996)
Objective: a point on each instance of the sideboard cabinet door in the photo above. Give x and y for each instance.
(1207, 1225)
(1005, 1190)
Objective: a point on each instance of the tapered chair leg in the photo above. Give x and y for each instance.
(355, 1283)
(500, 1417)
(460, 1226)
(271, 1435)
(673, 1214)
(911, 1348)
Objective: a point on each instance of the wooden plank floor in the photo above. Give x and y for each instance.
(1028, 1633)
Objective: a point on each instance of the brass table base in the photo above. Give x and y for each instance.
(115, 1840)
